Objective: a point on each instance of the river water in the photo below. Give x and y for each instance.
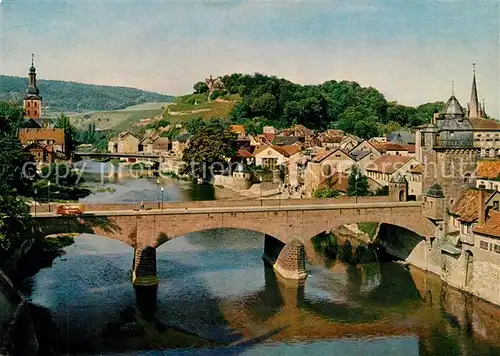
(216, 297)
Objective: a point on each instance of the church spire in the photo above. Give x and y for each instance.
(474, 108)
(32, 88)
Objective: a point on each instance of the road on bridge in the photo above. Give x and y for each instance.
(234, 209)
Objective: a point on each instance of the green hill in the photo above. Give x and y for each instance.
(77, 97)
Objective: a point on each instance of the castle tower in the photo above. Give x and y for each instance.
(32, 101)
(448, 153)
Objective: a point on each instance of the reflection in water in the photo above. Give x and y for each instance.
(125, 190)
(214, 289)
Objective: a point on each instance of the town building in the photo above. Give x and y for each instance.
(395, 149)
(445, 147)
(38, 137)
(32, 100)
(272, 156)
(385, 168)
(180, 143)
(126, 142)
(323, 167)
(41, 153)
(488, 175)
(43, 136)
(404, 137)
(154, 144)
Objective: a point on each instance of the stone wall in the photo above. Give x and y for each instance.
(152, 229)
(291, 261)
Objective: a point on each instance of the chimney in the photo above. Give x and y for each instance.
(481, 208)
(434, 118)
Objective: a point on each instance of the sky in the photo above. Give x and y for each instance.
(409, 50)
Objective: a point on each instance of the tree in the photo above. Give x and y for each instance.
(15, 221)
(200, 88)
(357, 183)
(194, 124)
(69, 134)
(208, 150)
(11, 118)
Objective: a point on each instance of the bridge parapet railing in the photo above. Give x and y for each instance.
(221, 203)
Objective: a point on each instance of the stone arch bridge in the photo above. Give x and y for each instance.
(287, 225)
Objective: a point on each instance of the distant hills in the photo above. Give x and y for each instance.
(77, 97)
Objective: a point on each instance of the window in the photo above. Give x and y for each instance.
(29, 104)
(36, 113)
(496, 249)
(36, 104)
(483, 245)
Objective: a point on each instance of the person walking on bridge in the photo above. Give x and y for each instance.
(142, 205)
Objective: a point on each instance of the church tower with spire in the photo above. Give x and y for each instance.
(475, 109)
(32, 99)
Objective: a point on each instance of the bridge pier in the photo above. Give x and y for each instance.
(144, 267)
(287, 260)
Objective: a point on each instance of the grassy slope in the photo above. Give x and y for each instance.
(182, 111)
(119, 120)
(123, 120)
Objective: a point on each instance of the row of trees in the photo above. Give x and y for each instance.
(268, 100)
(15, 221)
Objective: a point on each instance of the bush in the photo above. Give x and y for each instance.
(325, 192)
(369, 228)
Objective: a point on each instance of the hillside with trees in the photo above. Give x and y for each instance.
(268, 100)
(77, 97)
(345, 105)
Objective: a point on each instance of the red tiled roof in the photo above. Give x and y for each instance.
(488, 169)
(465, 208)
(419, 168)
(491, 226)
(387, 164)
(240, 129)
(484, 124)
(244, 153)
(324, 154)
(57, 135)
(286, 151)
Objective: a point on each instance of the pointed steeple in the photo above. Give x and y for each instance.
(474, 108)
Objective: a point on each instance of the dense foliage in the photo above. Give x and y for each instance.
(208, 149)
(63, 122)
(98, 139)
(70, 96)
(345, 105)
(15, 221)
(325, 192)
